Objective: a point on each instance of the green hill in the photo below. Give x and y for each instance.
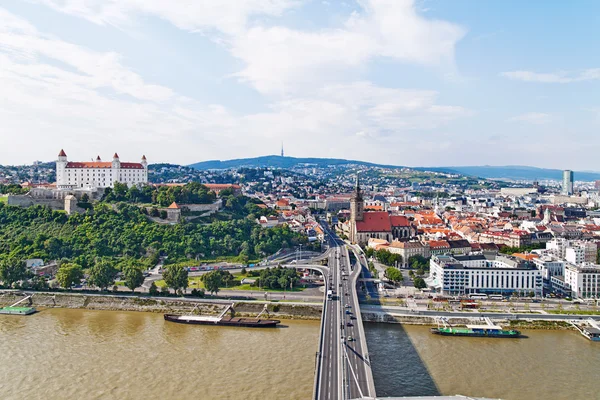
(280, 162)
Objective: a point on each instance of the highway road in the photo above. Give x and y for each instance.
(329, 372)
(345, 371)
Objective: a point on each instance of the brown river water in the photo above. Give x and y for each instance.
(83, 354)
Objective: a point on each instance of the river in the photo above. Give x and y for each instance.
(409, 361)
(83, 354)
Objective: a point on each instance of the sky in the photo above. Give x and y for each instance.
(403, 82)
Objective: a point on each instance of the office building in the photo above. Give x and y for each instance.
(567, 184)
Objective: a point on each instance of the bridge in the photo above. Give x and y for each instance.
(343, 369)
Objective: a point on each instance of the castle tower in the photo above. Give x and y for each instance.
(357, 206)
(61, 174)
(116, 168)
(145, 165)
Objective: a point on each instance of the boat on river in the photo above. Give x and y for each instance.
(15, 309)
(224, 320)
(18, 310)
(486, 330)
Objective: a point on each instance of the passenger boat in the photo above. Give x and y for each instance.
(487, 330)
(223, 320)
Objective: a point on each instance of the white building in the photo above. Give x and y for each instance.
(574, 251)
(99, 174)
(483, 273)
(550, 266)
(575, 255)
(583, 281)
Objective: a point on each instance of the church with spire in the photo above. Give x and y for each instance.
(364, 225)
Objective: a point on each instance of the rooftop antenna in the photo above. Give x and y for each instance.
(282, 149)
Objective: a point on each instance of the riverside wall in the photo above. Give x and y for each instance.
(109, 302)
(162, 305)
(382, 317)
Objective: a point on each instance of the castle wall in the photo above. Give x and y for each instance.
(28, 201)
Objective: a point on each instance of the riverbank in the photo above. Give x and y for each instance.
(280, 310)
(162, 305)
(378, 317)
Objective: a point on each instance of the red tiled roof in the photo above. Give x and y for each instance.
(220, 186)
(173, 205)
(374, 221)
(131, 165)
(62, 153)
(103, 164)
(89, 164)
(399, 220)
(439, 244)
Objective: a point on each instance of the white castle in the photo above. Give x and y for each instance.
(99, 174)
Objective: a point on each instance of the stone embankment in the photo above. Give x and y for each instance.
(431, 321)
(246, 309)
(166, 305)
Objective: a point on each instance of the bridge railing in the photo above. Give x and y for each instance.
(319, 361)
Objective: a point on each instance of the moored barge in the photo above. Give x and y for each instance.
(222, 321)
(487, 330)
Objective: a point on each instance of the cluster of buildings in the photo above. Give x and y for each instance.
(564, 268)
(462, 237)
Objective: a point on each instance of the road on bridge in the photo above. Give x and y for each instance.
(344, 370)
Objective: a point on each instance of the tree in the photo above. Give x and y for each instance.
(69, 274)
(102, 274)
(393, 274)
(420, 283)
(176, 277)
(133, 277)
(153, 291)
(283, 281)
(85, 198)
(12, 270)
(418, 261)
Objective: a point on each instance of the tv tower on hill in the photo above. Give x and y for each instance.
(282, 150)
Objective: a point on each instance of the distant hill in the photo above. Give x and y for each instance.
(280, 162)
(516, 172)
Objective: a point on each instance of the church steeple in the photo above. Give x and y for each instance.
(356, 202)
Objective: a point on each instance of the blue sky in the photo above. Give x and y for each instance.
(417, 83)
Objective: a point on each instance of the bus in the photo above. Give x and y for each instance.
(479, 296)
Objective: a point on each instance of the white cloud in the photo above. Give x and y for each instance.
(279, 59)
(535, 118)
(58, 94)
(554, 77)
(227, 16)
